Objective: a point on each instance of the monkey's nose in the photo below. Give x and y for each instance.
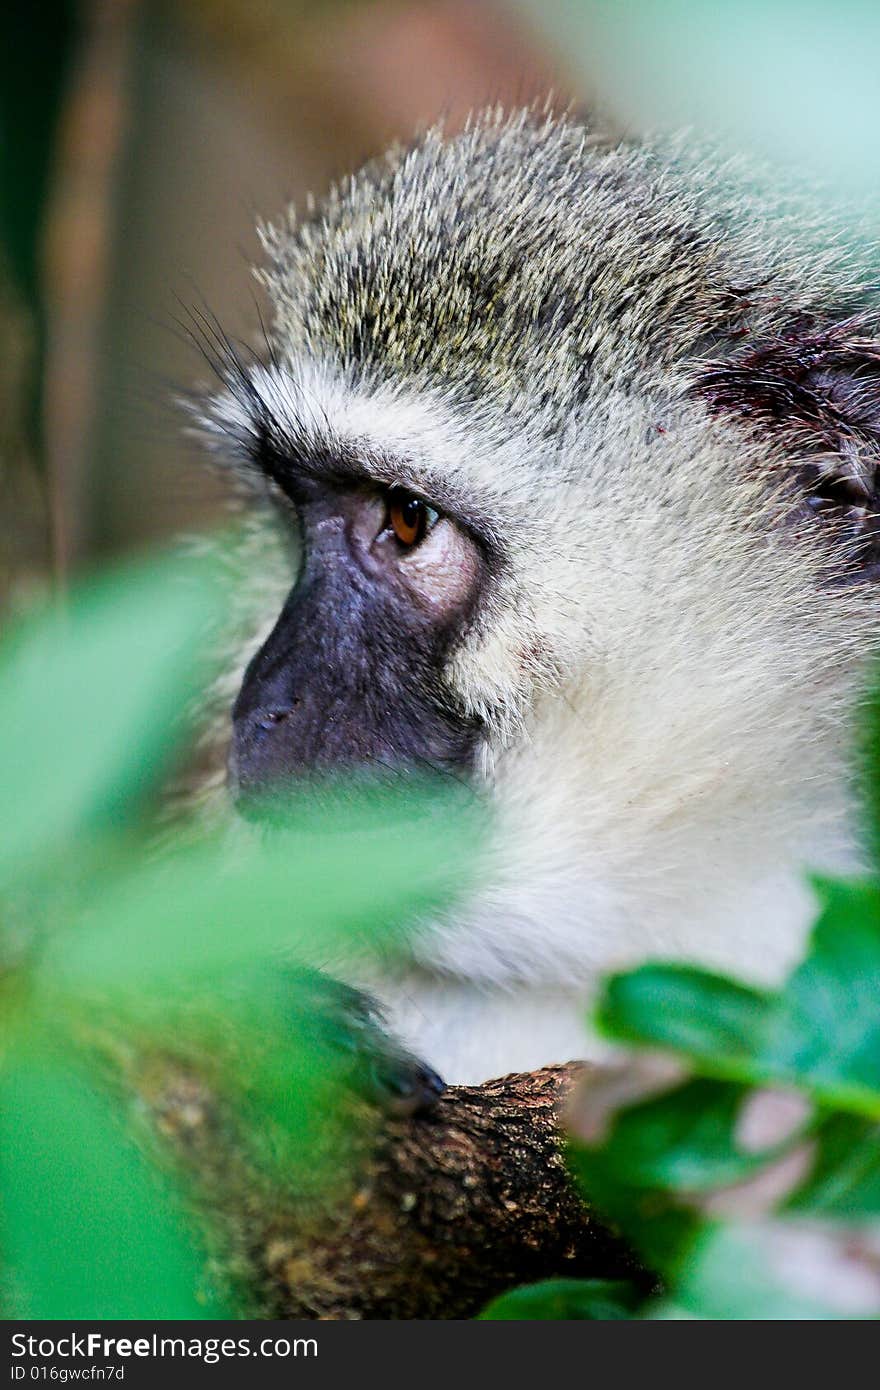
(256, 762)
(269, 719)
(256, 725)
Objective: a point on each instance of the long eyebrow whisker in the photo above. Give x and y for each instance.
(280, 429)
(271, 351)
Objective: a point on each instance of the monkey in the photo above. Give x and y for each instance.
(562, 461)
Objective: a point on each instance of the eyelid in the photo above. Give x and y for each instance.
(298, 473)
(408, 490)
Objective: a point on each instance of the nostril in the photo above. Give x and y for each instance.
(269, 718)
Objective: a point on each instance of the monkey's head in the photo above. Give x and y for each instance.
(577, 471)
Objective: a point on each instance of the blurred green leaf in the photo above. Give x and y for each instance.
(821, 1032)
(801, 1208)
(91, 698)
(283, 1057)
(704, 1015)
(683, 1140)
(844, 1180)
(298, 1059)
(680, 1142)
(88, 1228)
(565, 1299)
(218, 905)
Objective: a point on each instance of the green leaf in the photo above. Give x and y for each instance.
(657, 1167)
(844, 1180)
(820, 1033)
(565, 1299)
(823, 1031)
(87, 1226)
(681, 1141)
(280, 1052)
(657, 1153)
(706, 1016)
(91, 698)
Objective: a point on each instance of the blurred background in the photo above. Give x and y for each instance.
(141, 139)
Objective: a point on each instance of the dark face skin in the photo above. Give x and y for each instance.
(351, 677)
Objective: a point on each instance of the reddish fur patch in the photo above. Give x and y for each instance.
(818, 388)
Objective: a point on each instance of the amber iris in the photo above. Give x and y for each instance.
(408, 517)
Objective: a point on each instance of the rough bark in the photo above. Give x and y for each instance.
(447, 1209)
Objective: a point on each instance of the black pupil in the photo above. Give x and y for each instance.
(411, 513)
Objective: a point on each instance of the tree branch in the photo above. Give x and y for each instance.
(447, 1210)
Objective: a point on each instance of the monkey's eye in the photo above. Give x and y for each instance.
(409, 517)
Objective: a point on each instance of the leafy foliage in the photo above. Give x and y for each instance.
(111, 949)
(822, 1031)
(89, 702)
(737, 1145)
(90, 1229)
(568, 1299)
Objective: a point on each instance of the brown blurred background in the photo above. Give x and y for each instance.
(143, 138)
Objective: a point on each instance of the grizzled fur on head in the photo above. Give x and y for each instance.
(656, 411)
(523, 259)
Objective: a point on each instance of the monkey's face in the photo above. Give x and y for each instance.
(543, 543)
(351, 675)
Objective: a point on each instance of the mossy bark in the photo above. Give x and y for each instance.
(444, 1210)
